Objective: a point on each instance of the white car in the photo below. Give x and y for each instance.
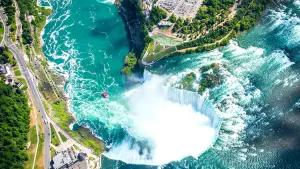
(45, 121)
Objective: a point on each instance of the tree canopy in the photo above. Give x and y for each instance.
(9, 10)
(157, 15)
(6, 56)
(246, 17)
(14, 126)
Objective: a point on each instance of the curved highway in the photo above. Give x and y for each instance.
(33, 90)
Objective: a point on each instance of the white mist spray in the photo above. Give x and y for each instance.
(173, 130)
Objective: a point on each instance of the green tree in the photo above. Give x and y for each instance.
(14, 126)
(157, 15)
(172, 18)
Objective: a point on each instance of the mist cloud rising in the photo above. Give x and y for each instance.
(171, 130)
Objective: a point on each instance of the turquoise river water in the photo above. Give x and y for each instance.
(250, 120)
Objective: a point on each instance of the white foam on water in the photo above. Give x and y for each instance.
(130, 93)
(230, 99)
(173, 130)
(286, 23)
(297, 3)
(107, 1)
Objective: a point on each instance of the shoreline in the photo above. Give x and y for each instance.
(117, 4)
(132, 15)
(82, 130)
(124, 18)
(66, 99)
(216, 36)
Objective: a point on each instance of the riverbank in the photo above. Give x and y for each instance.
(51, 85)
(242, 18)
(135, 21)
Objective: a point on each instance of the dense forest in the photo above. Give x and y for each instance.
(14, 126)
(9, 10)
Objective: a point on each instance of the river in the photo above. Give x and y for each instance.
(256, 104)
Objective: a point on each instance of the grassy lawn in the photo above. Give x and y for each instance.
(22, 80)
(85, 137)
(53, 152)
(32, 136)
(64, 139)
(11, 58)
(39, 156)
(82, 135)
(27, 51)
(76, 148)
(1, 31)
(44, 63)
(13, 34)
(10, 54)
(158, 48)
(150, 47)
(44, 12)
(165, 41)
(54, 140)
(39, 162)
(157, 56)
(18, 72)
(62, 118)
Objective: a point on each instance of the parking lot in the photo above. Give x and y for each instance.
(181, 8)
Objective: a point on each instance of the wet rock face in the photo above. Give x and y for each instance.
(129, 10)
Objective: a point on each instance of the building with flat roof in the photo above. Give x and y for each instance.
(164, 24)
(61, 160)
(68, 159)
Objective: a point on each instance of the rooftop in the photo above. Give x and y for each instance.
(61, 160)
(68, 159)
(164, 23)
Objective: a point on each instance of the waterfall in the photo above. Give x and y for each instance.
(199, 103)
(164, 118)
(146, 75)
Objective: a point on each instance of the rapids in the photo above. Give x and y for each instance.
(248, 121)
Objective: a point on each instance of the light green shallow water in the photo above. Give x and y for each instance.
(86, 41)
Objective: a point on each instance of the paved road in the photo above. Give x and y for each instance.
(34, 92)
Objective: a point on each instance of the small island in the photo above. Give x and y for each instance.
(176, 27)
